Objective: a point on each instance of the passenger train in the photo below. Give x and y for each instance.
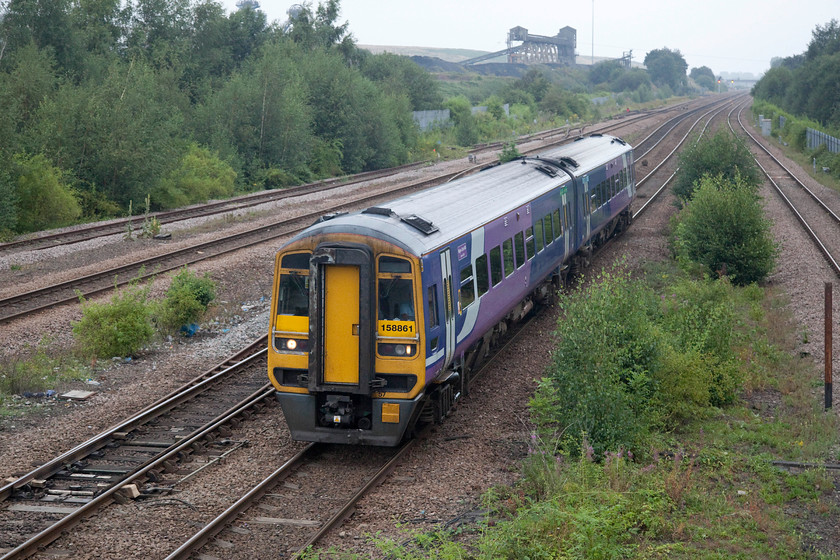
(379, 316)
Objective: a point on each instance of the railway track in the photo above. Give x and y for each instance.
(656, 138)
(159, 448)
(149, 452)
(121, 226)
(819, 217)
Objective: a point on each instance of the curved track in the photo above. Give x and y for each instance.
(818, 217)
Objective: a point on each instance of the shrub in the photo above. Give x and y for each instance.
(186, 300)
(509, 153)
(44, 199)
(721, 155)
(118, 328)
(200, 176)
(724, 229)
(599, 385)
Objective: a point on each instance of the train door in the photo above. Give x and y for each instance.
(341, 324)
(585, 212)
(341, 331)
(449, 305)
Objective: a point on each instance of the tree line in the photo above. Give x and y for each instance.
(110, 102)
(106, 102)
(806, 84)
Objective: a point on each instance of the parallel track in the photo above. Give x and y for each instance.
(146, 448)
(818, 218)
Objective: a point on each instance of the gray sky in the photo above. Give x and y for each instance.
(725, 35)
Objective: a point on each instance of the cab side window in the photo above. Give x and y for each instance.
(395, 289)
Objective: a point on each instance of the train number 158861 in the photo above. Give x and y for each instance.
(396, 327)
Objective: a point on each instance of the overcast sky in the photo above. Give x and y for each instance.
(725, 35)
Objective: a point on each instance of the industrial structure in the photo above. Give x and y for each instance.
(536, 49)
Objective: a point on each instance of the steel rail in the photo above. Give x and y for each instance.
(166, 403)
(811, 233)
(53, 532)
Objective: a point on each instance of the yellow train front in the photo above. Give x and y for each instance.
(346, 354)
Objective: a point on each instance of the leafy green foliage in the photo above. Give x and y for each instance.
(44, 199)
(119, 328)
(704, 77)
(186, 300)
(807, 84)
(722, 155)
(199, 177)
(599, 385)
(667, 68)
(509, 153)
(723, 228)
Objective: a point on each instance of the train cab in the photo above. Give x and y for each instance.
(347, 355)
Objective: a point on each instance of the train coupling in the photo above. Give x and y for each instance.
(337, 411)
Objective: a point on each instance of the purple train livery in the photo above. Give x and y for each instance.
(379, 317)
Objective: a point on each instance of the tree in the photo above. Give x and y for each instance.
(260, 118)
(400, 75)
(775, 85)
(603, 73)
(667, 67)
(121, 135)
(723, 228)
(723, 155)
(44, 23)
(825, 41)
(703, 77)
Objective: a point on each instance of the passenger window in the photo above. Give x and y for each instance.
(520, 249)
(538, 235)
(549, 236)
(558, 228)
(431, 301)
(395, 289)
(467, 292)
(481, 275)
(529, 243)
(496, 265)
(507, 248)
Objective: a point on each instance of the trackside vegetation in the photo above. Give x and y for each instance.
(130, 320)
(120, 327)
(723, 155)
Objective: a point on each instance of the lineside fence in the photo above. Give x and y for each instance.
(815, 138)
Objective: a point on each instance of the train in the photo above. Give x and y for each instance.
(380, 317)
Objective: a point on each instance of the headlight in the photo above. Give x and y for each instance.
(397, 350)
(292, 344)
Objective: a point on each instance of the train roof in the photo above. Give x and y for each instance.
(588, 153)
(434, 217)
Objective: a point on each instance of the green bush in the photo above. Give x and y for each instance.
(44, 199)
(723, 229)
(723, 155)
(599, 385)
(118, 328)
(509, 153)
(186, 300)
(200, 176)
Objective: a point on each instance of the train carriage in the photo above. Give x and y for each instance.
(379, 316)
